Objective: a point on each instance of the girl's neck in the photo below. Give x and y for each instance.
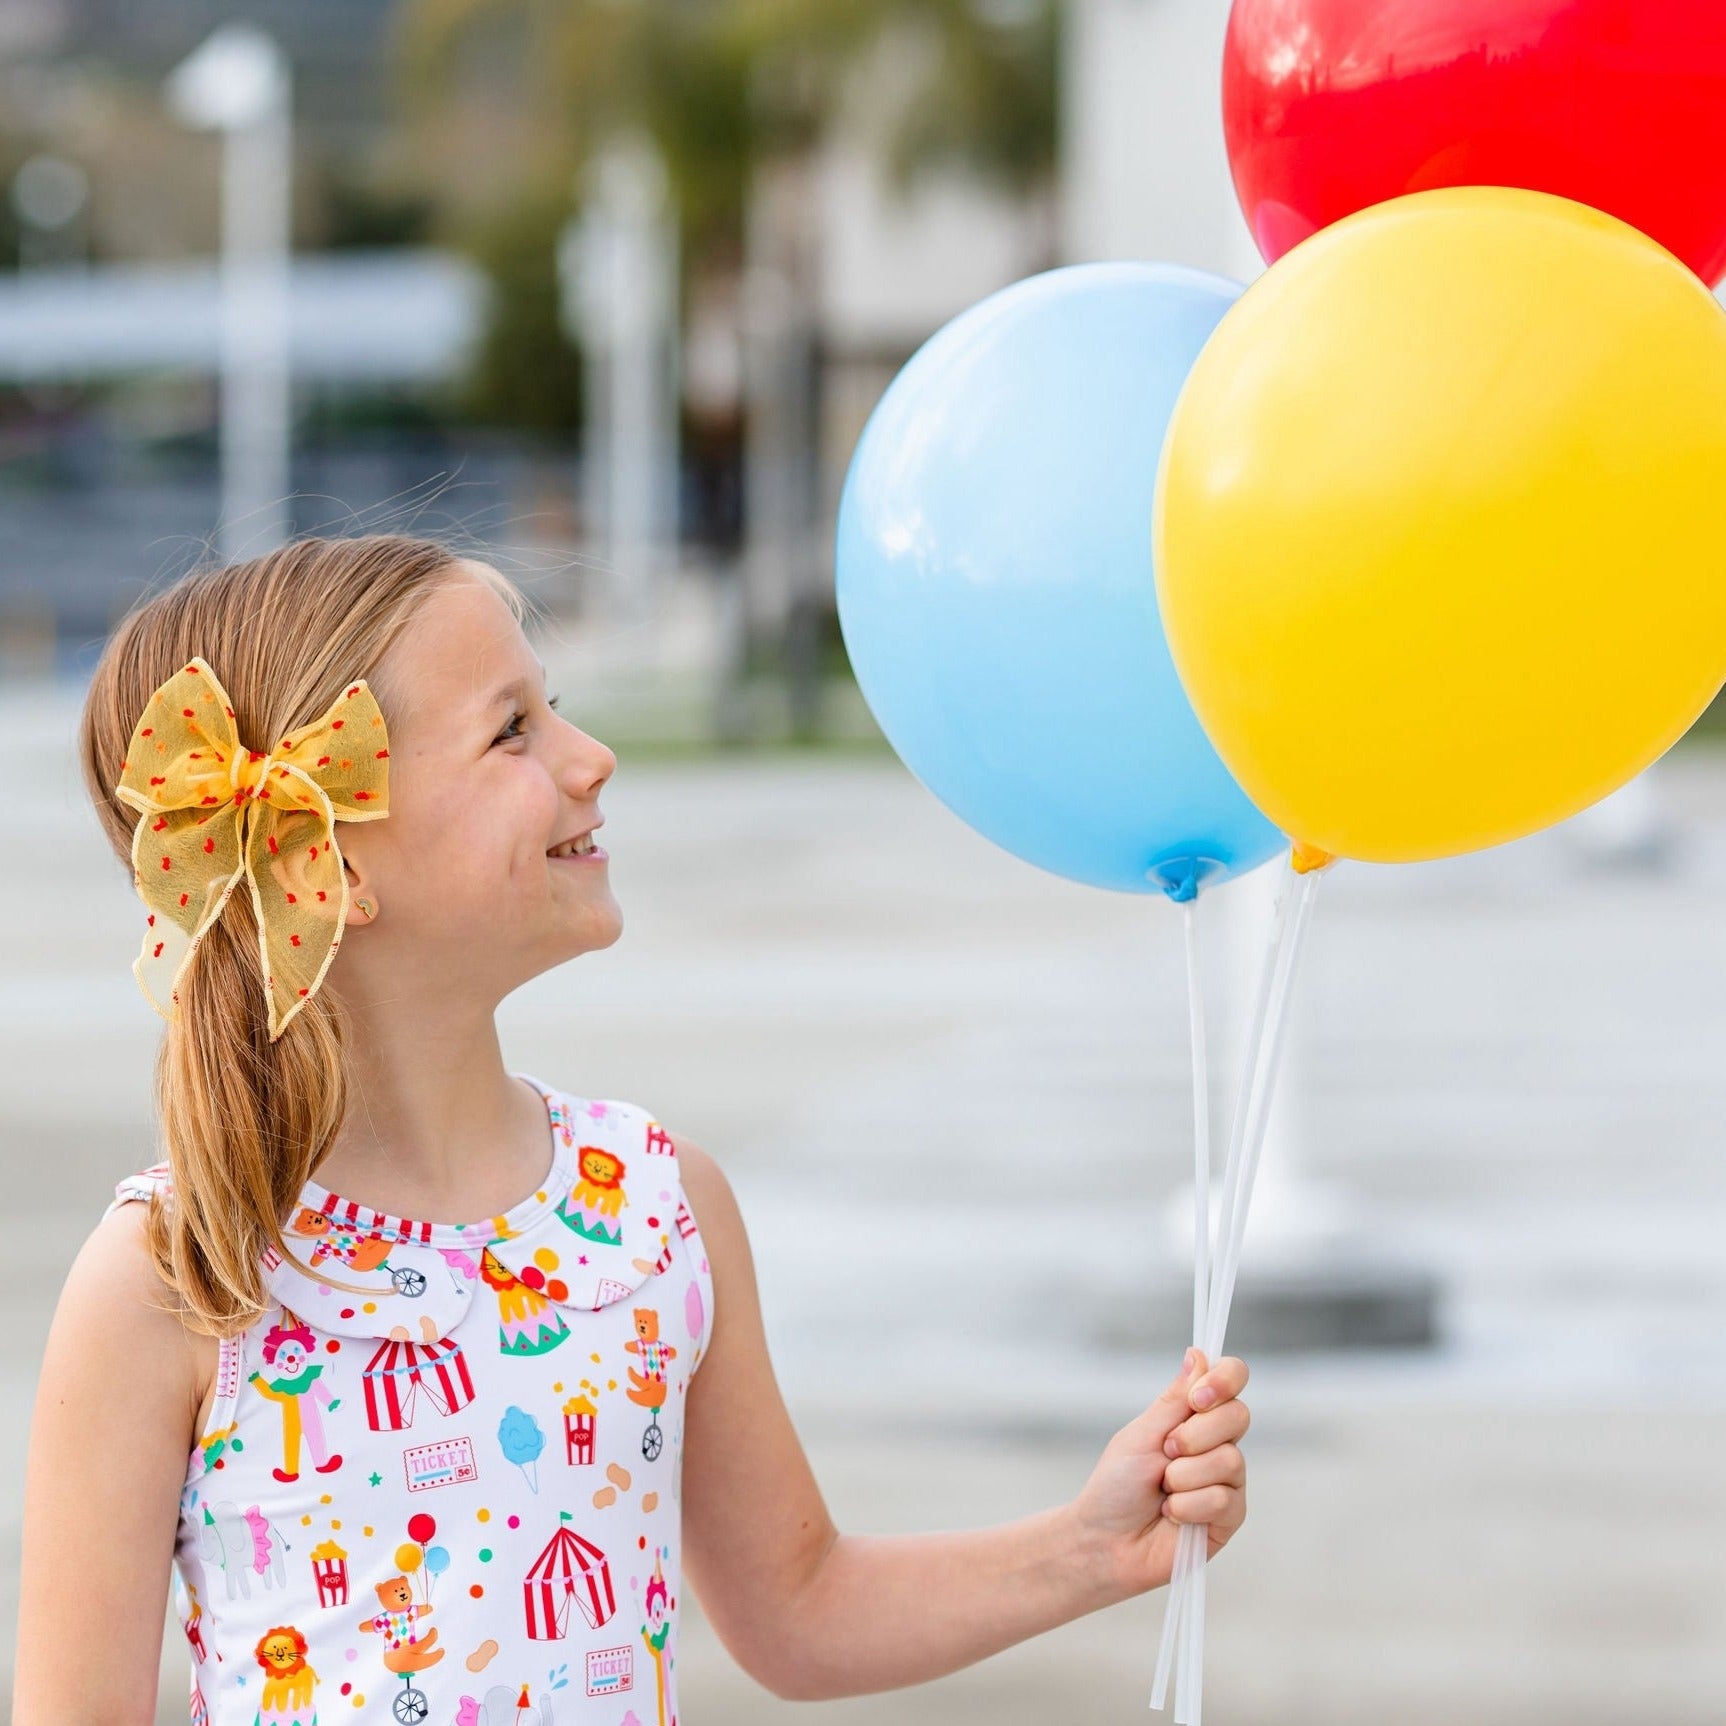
(449, 1147)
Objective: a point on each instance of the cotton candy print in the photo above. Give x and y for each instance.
(454, 1494)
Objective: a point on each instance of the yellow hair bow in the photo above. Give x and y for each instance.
(212, 810)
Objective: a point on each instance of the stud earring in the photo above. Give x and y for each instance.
(367, 906)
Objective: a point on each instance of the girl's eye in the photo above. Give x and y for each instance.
(508, 735)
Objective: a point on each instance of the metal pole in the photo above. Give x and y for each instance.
(255, 381)
(238, 82)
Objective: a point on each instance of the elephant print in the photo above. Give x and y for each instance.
(244, 1544)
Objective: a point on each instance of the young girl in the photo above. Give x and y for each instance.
(438, 1377)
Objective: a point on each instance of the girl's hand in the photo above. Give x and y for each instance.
(1177, 1462)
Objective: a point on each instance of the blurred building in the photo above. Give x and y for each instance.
(339, 48)
(1144, 170)
(113, 361)
(845, 274)
(407, 315)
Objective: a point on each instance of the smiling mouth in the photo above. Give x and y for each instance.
(591, 854)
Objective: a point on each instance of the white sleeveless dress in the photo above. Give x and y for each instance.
(455, 1497)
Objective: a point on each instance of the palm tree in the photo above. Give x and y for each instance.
(721, 86)
(505, 101)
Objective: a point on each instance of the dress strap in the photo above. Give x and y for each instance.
(141, 1185)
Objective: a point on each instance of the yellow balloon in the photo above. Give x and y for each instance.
(407, 1558)
(1438, 521)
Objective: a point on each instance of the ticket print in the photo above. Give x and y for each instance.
(442, 1464)
(610, 1670)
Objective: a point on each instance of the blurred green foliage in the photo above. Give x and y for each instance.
(355, 213)
(527, 373)
(722, 86)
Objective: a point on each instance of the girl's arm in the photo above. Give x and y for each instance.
(116, 1402)
(813, 1614)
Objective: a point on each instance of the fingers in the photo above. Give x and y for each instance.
(1146, 1432)
(1224, 1466)
(1226, 1379)
(1221, 1508)
(1196, 1383)
(1176, 1393)
(1225, 1425)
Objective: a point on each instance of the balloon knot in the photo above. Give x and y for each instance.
(1182, 877)
(1184, 890)
(1307, 859)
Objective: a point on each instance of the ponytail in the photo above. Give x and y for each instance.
(245, 1121)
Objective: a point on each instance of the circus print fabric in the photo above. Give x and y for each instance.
(455, 1497)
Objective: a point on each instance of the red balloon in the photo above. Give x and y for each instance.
(1331, 105)
(421, 1528)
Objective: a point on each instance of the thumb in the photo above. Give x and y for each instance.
(1145, 1433)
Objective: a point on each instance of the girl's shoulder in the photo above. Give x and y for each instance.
(120, 1248)
(115, 1271)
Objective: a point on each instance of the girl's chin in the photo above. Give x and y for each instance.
(606, 915)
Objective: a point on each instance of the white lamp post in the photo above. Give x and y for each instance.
(237, 82)
(618, 273)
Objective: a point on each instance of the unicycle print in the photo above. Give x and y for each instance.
(356, 1248)
(409, 1280)
(409, 1647)
(409, 1704)
(647, 1387)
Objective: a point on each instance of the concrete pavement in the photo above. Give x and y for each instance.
(951, 1093)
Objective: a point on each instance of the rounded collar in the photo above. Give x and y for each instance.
(591, 1234)
(524, 1214)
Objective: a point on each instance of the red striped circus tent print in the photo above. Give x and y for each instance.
(399, 1371)
(568, 1568)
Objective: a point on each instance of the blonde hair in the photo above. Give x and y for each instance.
(246, 1121)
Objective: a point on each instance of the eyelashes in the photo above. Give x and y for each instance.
(509, 736)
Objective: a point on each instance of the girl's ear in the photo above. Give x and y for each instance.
(357, 890)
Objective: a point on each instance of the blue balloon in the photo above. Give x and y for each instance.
(437, 1559)
(996, 590)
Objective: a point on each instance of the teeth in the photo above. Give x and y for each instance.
(575, 847)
